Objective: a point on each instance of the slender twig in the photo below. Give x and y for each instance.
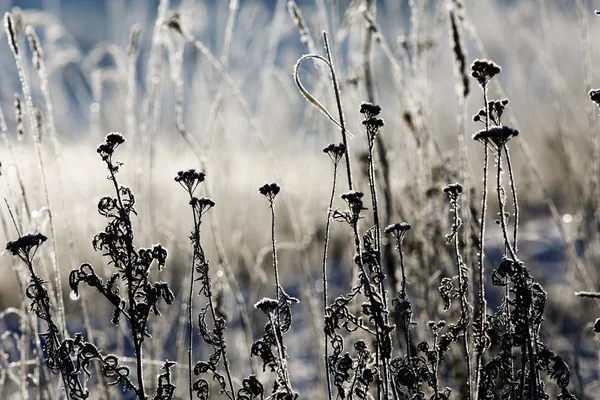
(480, 345)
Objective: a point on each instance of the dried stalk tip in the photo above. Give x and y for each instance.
(134, 36)
(484, 70)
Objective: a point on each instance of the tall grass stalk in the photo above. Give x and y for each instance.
(29, 109)
(40, 66)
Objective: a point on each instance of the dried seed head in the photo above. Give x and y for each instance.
(270, 191)
(497, 135)
(111, 142)
(201, 205)
(296, 15)
(353, 196)
(266, 305)
(38, 117)
(355, 203)
(11, 34)
(34, 45)
(335, 152)
(454, 190)
(190, 179)
(484, 70)
(398, 230)
(26, 245)
(373, 126)
(370, 110)
(460, 59)
(19, 115)
(373, 123)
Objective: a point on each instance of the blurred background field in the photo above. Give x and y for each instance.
(541, 45)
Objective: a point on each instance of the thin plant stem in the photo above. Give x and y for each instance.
(513, 190)
(338, 101)
(325, 282)
(462, 283)
(189, 309)
(40, 66)
(481, 259)
(137, 336)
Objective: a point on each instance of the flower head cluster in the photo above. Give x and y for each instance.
(267, 305)
(355, 203)
(335, 152)
(270, 191)
(497, 135)
(26, 245)
(453, 190)
(201, 205)
(190, 179)
(495, 110)
(371, 122)
(111, 142)
(484, 70)
(370, 110)
(398, 230)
